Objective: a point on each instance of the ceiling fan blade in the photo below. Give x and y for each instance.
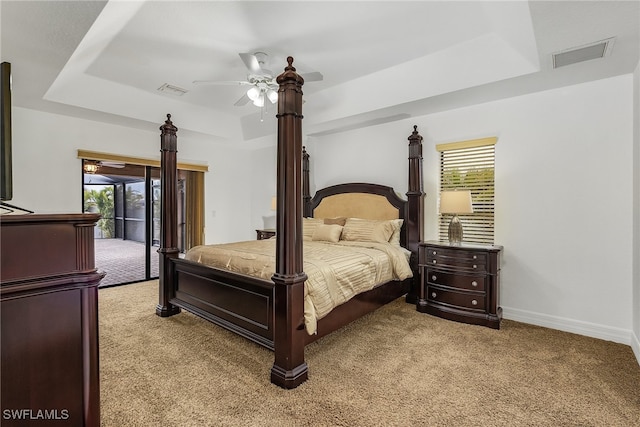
(242, 101)
(313, 77)
(251, 62)
(221, 83)
(117, 165)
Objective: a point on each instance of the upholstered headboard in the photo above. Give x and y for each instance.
(359, 200)
(356, 205)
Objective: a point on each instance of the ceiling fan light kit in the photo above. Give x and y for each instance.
(262, 81)
(91, 167)
(258, 93)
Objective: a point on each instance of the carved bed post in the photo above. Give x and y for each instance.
(289, 368)
(306, 192)
(415, 211)
(169, 214)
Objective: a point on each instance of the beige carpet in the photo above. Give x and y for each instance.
(394, 367)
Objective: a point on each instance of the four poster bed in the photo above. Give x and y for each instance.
(272, 302)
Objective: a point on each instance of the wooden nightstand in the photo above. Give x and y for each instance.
(265, 234)
(460, 282)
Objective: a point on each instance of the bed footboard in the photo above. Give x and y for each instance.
(241, 304)
(244, 304)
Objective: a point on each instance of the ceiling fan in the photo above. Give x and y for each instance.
(261, 79)
(92, 166)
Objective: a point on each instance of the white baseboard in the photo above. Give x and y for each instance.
(635, 346)
(619, 335)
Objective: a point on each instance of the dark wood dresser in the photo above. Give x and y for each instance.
(49, 321)
(460, 282)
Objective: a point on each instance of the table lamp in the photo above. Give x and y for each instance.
(455, 202)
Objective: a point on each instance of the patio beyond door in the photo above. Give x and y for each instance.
(127, 236)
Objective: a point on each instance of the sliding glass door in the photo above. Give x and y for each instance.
(127, 237)
(127, 195)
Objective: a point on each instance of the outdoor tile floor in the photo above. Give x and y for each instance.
(123, 261)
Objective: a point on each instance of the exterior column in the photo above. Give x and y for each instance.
(289, 368)
(169, 214)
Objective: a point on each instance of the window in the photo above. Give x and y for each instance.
(470, 165)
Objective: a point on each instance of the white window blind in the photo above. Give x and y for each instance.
(470, 165)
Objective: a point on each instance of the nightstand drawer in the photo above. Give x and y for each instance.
(456, 280)
(447, 258)
(458, 299)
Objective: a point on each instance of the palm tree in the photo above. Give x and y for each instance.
(102, 200)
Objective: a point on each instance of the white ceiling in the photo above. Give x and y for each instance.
(381, 60)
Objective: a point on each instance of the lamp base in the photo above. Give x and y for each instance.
(455, 230)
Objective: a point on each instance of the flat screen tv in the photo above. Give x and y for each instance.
(6, 182)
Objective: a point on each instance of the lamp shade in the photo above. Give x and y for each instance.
(259, 101)
(272, 95)
(456, 202)
(274, 203)
(253, 93)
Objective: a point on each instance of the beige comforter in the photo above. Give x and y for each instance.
(336, 271)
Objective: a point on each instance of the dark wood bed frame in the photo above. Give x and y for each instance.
(271, 313)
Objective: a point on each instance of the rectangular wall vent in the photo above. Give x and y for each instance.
(172, 90)
(588, 52)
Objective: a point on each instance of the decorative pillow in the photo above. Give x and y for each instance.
(309, 226)
(395, 237)
(338, 220)
(327, 233)
(367, 230)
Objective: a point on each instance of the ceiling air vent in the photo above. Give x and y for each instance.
(583, 53)
(172, 90)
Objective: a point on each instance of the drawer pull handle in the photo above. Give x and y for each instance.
(434, 252)
(474, 302)
(475, 257)
(434, 261)
(433, 277)
(433, 294)
(474, 283)
(475, 266)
